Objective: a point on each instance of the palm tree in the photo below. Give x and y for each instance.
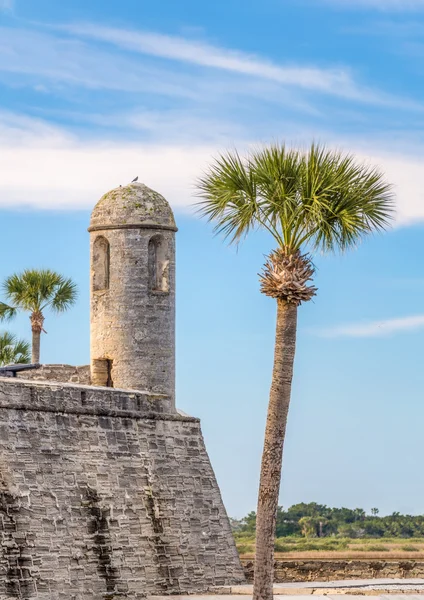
(34, 291)
(312, 200)
(12, 350)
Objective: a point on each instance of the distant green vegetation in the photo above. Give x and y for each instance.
(305, 545)
(329, 528)
(326, 546)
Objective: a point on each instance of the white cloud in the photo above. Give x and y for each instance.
(384, 5)
(76, 176)
(374, 328)
(404, 171)
(44, 166)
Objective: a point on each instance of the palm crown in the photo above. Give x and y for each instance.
(34, 291)
(319, 198)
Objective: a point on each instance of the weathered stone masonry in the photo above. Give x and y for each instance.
(104, 494)
(61, 373)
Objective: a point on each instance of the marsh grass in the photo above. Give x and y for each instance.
(245, 548)
(305, 545)
(343, 548)
(372, 548)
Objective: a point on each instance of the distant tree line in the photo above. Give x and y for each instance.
(317, 520)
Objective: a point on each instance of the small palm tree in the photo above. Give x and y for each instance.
(314, 200)
(12, 350)
(34, 291)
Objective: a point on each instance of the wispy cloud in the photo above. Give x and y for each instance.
(337, 82)
(383, 5)
(32, 54)
(207, 55)
(51, 62)
(374, 328)
(6, 5)
(96, 58)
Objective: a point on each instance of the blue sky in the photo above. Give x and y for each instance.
(94, 93)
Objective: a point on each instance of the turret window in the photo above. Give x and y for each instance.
(101, 264)
(158, 264)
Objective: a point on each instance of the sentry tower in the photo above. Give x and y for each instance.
(132, 233)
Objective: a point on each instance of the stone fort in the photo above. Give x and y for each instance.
(106, 488)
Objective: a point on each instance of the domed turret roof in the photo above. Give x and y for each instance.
(132, 205)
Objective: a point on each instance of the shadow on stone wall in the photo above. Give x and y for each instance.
(98, 528)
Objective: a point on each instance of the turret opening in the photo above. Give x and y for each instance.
(101, 372)
(158, 265)
(101, 264)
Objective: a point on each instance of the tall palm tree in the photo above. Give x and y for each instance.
(34, 291)
(307, 201)
(12, 350)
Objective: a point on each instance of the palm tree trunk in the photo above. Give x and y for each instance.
(37, 322)
(35, 357)
(269, 485)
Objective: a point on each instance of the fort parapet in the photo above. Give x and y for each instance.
(105, 493)
(59, 373)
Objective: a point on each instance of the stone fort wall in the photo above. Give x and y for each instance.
(105, 494)
(336, 569)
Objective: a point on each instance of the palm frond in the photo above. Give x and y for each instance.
(343, 199)
(7, 312)
(13, 350)
(22, 351)
(65, 295)
(229, 197)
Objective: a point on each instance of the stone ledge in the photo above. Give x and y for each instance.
(60, 373)
(361, 587)
(43, 396)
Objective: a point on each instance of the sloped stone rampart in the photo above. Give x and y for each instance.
(104, 494)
